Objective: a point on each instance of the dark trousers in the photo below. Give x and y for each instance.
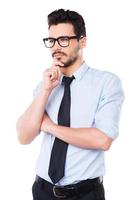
(40, 192)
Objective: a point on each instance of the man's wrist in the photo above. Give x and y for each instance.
(52, 128)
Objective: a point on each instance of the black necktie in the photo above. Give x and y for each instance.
(59, 150)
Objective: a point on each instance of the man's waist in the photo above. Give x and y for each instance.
(69, 190)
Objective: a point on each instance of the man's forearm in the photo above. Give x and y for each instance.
(82, 137)
(28, 125)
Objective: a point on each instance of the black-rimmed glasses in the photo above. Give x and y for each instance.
(63, 41)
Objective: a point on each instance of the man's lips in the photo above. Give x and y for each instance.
(58, 55)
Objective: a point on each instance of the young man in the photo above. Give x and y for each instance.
(77, 109)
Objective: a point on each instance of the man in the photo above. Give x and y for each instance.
(77, 109)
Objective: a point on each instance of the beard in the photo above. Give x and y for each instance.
(70, 59)
(70, 62)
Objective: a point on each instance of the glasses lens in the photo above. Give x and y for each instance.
(63, 41)
(49, 42)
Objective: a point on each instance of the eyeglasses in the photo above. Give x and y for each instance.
(63, 41)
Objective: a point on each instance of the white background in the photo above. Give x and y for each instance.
(23, 57)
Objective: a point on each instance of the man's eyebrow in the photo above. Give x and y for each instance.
(59, 36)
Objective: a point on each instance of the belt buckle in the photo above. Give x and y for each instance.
(57, 193)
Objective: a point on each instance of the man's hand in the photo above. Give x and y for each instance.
(47, 124)
(52, 75)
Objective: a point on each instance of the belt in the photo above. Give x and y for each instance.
(69, 190)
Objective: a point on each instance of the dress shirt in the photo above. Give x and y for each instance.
(96, 99)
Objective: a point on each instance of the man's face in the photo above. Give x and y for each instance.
(67, 55)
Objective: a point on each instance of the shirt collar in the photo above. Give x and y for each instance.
(79, 73)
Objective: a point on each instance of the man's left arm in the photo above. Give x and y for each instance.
(82, 137)
(106, 121)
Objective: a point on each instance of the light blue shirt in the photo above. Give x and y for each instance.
(96, 99)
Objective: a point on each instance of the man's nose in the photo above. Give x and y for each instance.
(56, 45)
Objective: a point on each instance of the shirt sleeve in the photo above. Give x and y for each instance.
(37, 90)
(109, 108)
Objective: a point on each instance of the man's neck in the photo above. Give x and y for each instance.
(68, 71)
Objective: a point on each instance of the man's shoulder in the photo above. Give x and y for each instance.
(99, 72)
(103, 74)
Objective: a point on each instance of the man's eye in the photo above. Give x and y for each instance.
(63, 39)
(51, 40)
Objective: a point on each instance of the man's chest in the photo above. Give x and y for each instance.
(84, 102)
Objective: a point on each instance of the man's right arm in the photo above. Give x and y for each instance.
(28, 125)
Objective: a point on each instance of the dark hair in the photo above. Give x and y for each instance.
(68, 16)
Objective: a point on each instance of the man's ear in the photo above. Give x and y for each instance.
(83, 42)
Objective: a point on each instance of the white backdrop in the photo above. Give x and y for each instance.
(23, 58)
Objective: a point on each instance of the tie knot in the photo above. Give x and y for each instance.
(67, 80)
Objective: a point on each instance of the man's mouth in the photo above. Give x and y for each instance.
(58, 55)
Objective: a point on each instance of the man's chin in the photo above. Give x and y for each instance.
(65, 65)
